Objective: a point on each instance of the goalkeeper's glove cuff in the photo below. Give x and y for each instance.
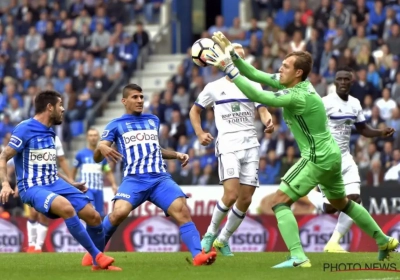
(232, 72)
(234, 55)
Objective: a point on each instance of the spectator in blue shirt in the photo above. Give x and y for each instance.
(284, 16)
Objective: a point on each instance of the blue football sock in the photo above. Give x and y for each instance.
(109, 229)
(79, 232)
(191, 237)
(96, 233)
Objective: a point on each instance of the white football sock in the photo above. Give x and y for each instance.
(220, 212)
(235, 218)
(31, 228)
(316, 199)
(343, 225)
(41, 236)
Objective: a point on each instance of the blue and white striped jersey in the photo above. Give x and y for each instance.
(137, 140)
(36, 159)
(90, 171)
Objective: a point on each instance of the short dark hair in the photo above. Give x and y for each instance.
(44, 98)
(130, 87)
(304, 61)
(345, 69)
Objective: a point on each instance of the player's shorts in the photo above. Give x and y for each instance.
(158, 188)
(303, 176)
(351, 177)
(97, 197)
(41, 197)
(242, 165)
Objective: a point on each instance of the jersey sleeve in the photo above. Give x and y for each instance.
(19, 138)
(284, 98)
(256, 104)
(205, 98)
(250, 72)
(109, 133)
(360, 114)
(59, 147)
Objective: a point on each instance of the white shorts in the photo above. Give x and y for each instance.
(351, 177)
(242, 165)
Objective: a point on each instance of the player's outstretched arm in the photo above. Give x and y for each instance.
(6, 190)
(250, 72)
(369, 132)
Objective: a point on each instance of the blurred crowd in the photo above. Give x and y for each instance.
(78, 48)
(364, 35)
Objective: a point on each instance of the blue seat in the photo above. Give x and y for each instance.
(77, 128)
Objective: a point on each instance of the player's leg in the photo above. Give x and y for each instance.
(297, 182)
(228, 169)
(31, 226)
(42, 228)
(351, 179)
(170, 198)
(248, 183)
(335, 193)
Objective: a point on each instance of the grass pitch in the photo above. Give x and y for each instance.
(173, 266)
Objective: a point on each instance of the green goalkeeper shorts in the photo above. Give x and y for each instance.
(302, 177)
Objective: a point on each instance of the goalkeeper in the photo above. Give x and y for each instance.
(320, 163)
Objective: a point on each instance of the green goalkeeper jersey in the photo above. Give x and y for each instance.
(303, 112)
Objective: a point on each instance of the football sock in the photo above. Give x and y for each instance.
(316, 199)
(31, 227)
(41, 236)
(79, 232)
(96, 233)
(343, 225)
(235, 218)
(109, 229)
(364, 221)
(289, 230)
(220, 212)
(191, 237)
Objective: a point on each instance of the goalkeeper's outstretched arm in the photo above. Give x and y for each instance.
(283, 98)
(247, 70)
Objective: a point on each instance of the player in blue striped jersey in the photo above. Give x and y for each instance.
(145, 175)
(92, 172)
(42, 187)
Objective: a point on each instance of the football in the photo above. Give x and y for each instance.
(199, 50)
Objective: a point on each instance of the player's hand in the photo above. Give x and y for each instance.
(110, 154)
(80, 186)
(269, 127)
(388, 131)
(184, 158)
(5, 193)
(225, 44)
(223, 62)
(205, 138)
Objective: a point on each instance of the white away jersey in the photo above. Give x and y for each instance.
(342, 115)
(234, 115)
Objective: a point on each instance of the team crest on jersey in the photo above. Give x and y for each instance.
(235, 107)
(152, 123)
(15, 141)
(105, 133)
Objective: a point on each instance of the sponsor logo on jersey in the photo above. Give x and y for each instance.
(152, 123)
(60, 240)
(44, 156)
(315, 232)
(135, 137)
(152, 234)
(235, 106)
(251, 236)
(15, 141)
(11, 238)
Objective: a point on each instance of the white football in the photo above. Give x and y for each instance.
(199, 50)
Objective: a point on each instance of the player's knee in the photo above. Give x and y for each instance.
(355, 197)
(230, 197)
(67, 211)
(244, 200)
(280, 198)
(180, 211)
(329, 209)
(118, 216)
(93, 218)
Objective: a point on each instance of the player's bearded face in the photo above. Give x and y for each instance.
(58, 113)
